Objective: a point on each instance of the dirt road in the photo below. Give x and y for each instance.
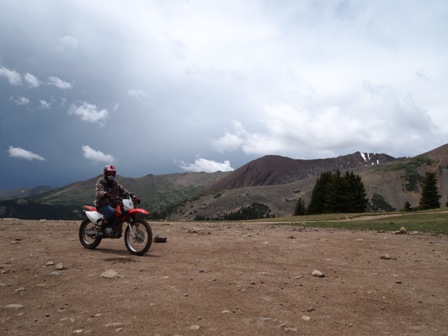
(222, 279)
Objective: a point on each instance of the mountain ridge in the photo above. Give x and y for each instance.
(273, 181)
(274, 169)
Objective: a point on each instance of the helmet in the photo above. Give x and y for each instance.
(110, 172)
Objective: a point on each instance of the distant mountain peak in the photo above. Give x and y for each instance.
(274, 169)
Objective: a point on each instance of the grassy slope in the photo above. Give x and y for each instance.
(434, 221)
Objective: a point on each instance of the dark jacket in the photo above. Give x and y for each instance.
(104, 188)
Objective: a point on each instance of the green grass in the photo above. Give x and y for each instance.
(422, 221)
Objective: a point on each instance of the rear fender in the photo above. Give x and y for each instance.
(93, 216)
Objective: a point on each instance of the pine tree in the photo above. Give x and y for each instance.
(338, 193)
(317, 201)
(429, 197)
(299, 209)
(336, 198)
(357, 197)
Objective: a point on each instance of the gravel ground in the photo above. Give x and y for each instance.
(222, 279)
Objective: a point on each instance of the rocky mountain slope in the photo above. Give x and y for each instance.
(273, 170)
(155, 191)
(390, 184)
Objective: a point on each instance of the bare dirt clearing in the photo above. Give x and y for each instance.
(222, 279)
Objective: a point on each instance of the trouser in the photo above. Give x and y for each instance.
(107, 211)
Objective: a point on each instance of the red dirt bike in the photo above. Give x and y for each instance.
(138, 233)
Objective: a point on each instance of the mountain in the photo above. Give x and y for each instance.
(388, 185)
(155, 191)
(23, 192)
(271, 184)
(273, 170)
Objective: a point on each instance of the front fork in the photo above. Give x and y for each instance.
(129, 223)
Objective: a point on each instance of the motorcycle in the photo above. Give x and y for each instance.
(138, 233)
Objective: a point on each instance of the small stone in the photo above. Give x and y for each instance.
(195, 327)
(306, 318)
(401, 231)
(59, 266)
(50, 263)
(288, 328)
(115, 324)
(317, 274)
(21, 289)
(109, 274)
(385, 257)
(160, 239)
(14, 306)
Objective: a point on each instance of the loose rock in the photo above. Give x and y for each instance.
(317, 274)
(14, 306)
(109, 274)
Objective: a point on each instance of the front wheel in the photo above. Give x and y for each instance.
(88, 236)
(138, 237)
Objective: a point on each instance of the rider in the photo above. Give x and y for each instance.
(107, 188)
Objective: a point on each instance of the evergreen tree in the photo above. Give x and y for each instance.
(317, 201)
(357, 193)
(407, 206)
(299, 209)
(338, 193)
(429, 197)
(336, 198)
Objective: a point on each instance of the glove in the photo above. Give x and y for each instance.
(112, 197)
(135, 199)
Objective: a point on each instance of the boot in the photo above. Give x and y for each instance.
(103, 226)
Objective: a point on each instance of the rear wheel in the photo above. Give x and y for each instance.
(88, 235)
(138, 237)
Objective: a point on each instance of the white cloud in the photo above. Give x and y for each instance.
(89, 112)
(96, 156)
(231, 140)
(59, 83)
(12, 76)
(204, 165)
(44, 105)
(69, 41)
(138, 94)
(32, 81)
(373, 116)
(20, 101)
(20, 153)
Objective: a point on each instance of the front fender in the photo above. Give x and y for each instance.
(138, 210)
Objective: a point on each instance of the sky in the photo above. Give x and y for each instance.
(160, 87)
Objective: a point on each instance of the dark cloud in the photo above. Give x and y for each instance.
(160, 87)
